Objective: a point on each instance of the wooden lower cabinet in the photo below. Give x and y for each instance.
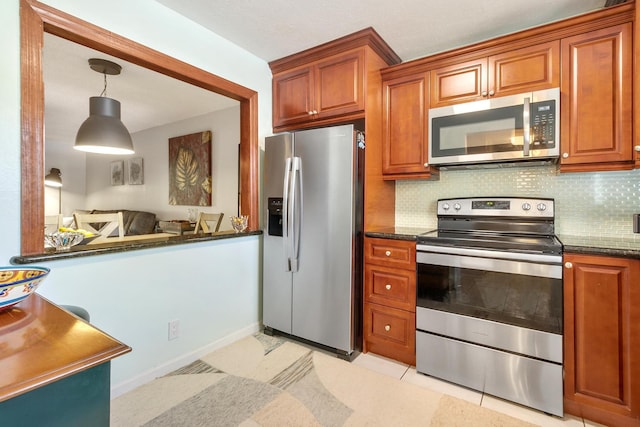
(390, 299)
(390, 332)
(602, 339)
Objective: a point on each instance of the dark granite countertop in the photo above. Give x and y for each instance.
(108, 248)
(398, 233)
(589, 245)
(608, 246)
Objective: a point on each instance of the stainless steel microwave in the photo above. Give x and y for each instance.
(497, 130)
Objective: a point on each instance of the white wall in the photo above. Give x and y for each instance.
(153, 146)
(212, 287)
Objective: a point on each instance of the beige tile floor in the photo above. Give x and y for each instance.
(408, 373)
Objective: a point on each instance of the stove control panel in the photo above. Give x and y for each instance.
(496, 206)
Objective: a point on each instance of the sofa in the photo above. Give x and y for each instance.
(135, 222)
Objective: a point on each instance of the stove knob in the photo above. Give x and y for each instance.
(457, 206)
(542, 207)
(526, 206)
(445, 206)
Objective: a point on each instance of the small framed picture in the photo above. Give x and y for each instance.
(117, 172)
(136, 171)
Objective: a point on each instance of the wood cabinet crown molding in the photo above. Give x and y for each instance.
(591, 21)
(366, 37)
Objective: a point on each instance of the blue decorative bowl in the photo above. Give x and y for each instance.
(17, 283)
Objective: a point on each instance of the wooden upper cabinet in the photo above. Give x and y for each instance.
(602, 338)
(340, 84)
(596, 104)
(322, 89)
(405, 127)
(457, 83)
(330, 83)
(295, 98)
(522, 70)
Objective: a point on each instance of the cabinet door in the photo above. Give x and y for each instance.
(390, 253)
(390, 286)
(457, 83)
(596, 98)
(293, 98)
(405, 137)
(524, 70)
(602, 337)
(340, 85)
(390, 332)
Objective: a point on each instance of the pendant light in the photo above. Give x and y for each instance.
(103, 132)
(54, 178)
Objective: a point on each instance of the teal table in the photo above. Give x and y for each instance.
(54, 367)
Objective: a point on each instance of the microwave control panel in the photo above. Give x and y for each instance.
(543, 123)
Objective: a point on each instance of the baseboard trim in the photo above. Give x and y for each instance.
(147, 376)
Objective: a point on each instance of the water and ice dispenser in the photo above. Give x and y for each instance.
(274, 207)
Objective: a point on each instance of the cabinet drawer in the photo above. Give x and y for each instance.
(390, 332)
(390, 286)
(391, 253)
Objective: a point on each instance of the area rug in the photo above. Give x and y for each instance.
(268, 381)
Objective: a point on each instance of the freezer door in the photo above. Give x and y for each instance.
(322, 286)
(276, 279)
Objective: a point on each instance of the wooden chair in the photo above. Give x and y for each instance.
(52, 223)
(208, 222)
(108, 224)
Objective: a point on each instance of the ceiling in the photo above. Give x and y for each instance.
(271, 30)
(413, 28)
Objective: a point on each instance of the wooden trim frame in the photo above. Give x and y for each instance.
(36, 19)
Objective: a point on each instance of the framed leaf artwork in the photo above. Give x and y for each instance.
(190, 169)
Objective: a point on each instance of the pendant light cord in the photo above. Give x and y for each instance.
(104, 91)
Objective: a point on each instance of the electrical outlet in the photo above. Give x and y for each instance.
(174, 329)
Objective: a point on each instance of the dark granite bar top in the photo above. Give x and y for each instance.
(133, 245)
(589, 245)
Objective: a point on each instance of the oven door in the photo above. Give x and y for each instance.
(519, 289)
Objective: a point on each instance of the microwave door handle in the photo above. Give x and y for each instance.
(526, 127)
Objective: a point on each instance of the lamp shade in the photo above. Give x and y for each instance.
(54, 178)
(103, 132)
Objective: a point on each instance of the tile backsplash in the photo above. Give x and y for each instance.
(587, 204)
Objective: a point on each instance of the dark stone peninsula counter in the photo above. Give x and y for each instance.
(145, 242)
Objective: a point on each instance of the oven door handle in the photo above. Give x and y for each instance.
(552, 271)
(516, 256)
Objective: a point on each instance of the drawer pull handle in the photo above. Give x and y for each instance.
(388, 286)
(568, 264)
(387, 328)
(388, 253)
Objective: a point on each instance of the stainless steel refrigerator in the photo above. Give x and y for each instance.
(312, 270)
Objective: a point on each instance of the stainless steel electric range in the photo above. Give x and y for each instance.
(489, 299)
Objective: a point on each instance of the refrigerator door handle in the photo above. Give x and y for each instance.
(286, 214)
(296, 210)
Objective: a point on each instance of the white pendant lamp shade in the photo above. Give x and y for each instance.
(54, 178)
(103, 132)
